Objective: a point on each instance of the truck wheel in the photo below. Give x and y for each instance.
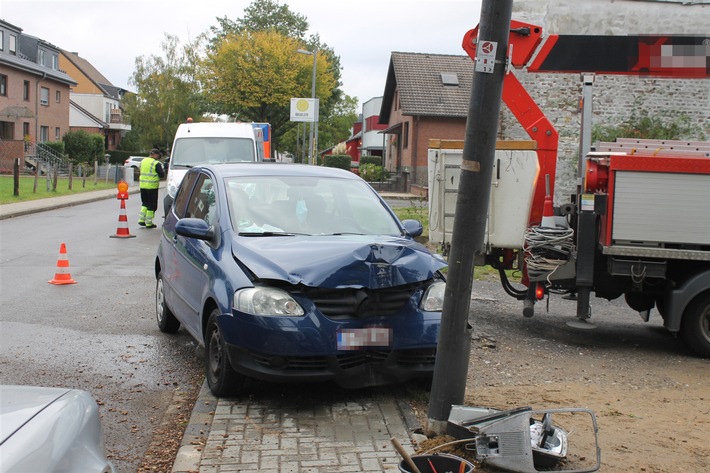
(167, 322)
(221, 377)
(695, 326)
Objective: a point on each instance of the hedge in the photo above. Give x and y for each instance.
(376, 160)
(341, 161)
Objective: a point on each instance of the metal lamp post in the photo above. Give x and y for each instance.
(313, 53)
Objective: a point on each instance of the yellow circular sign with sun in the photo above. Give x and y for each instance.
(302, 105)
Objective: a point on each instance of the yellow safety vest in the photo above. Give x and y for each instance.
(149, 174)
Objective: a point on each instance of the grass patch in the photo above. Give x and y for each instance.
(27, 185)
(419, 211)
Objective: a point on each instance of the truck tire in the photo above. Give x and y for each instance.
(695, 325)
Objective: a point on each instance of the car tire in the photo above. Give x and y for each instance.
(222, 380)
(167, 322)
(695, 325)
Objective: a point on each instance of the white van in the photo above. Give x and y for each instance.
(210, 143)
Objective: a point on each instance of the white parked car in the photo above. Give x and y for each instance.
(134, 162)
(50, 430)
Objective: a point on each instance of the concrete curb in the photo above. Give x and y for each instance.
(196, 433)
(18, 209)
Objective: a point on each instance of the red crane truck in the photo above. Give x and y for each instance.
(639, 223)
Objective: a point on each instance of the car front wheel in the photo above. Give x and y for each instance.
(167, 322)
(221, 377)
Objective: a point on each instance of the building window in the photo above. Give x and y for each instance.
(13, 44)
(405, 135)
(26, 91)
(44, 133)
(26, 129)
(41, 57)
(3, 85)
(55, 62)
(2, 40)
(58, 96)
(44, 96)
(56, 133)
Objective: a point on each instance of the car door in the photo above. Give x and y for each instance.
(193, 257)
(171, 264)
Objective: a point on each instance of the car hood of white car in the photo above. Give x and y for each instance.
(19, 404)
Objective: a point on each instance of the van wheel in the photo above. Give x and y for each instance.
(221, 377)
(695, 325)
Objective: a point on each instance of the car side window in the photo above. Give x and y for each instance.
(182, 197)
(202, 202)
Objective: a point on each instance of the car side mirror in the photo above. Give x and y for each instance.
(413, 227)
(195, 228)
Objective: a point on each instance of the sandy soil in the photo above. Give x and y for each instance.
(650, 394)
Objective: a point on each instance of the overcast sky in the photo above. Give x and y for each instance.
(110, 34)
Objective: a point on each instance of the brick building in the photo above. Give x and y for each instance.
(95, 102)
(426, 96)
(34, 92)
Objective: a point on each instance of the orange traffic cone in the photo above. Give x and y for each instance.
(122, 230)
(62, 275)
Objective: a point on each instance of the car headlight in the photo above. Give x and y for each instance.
(433, 300)
(266, 301)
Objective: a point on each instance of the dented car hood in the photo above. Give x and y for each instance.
(372, 261)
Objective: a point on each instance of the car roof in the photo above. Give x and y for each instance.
(277, 169)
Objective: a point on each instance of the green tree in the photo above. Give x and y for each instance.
(84, 147)
(253, 75)
(167, 92)
(264, 15)
(337, 125)
(643, 126)
(269, 16)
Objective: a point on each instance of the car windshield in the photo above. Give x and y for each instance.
(202, 150)
(274, 205)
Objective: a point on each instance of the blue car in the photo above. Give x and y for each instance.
(291, 272)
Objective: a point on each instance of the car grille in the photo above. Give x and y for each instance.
(404, 358)
(359, 303)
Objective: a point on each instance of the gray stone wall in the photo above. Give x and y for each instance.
(615, 98)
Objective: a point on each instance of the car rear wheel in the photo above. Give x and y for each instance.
(221, 377)
(167, 322)
(695, 325)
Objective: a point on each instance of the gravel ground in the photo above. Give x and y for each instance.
(649, 392)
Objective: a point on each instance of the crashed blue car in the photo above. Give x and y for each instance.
(291, 272)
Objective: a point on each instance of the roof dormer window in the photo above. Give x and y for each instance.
(450, 78)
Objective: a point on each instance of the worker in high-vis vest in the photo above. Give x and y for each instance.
(151, 173)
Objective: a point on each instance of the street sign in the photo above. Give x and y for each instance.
(486, 56)
(304, 110)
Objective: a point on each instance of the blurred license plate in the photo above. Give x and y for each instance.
(358, 338)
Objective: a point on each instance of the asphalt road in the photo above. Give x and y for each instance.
(99, 334)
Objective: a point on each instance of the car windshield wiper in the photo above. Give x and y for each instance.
(183, 165)
(269, 234)
(347, 233)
